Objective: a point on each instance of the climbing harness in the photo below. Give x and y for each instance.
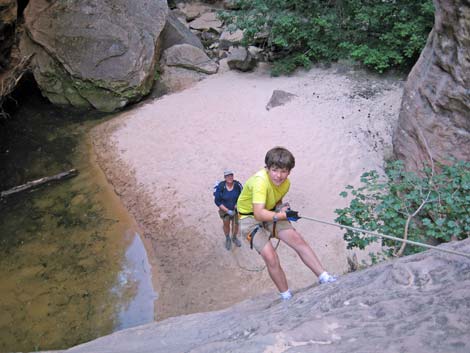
(250, 236)
(387, 236)
(260, 269)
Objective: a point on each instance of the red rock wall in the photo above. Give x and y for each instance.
(436, 102)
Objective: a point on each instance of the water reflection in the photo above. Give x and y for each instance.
(136, 277)
(65, 274)
(72, 266)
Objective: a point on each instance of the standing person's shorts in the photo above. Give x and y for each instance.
(264, 232)
(223, 214)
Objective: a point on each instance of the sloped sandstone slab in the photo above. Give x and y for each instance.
(413, 304)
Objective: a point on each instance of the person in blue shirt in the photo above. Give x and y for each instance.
(226, 197)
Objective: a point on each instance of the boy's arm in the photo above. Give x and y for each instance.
(263, 215)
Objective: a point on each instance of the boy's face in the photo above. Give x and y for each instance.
(278, 175)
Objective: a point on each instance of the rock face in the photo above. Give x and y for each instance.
(94, 54)
(417, 304)
(8, 11)
(436, 103)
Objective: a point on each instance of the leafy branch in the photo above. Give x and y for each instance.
(440, 198)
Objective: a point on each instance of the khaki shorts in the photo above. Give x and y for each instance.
(264, 232)
(223, 214)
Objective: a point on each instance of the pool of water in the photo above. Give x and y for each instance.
(72, 264)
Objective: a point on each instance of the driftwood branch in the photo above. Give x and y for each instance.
(35, 183)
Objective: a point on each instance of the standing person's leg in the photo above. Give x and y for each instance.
(226, 227)
(234, 222)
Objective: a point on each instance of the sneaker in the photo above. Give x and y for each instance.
(286, 296)
(327, 278)
(228, 243)
(236, 241)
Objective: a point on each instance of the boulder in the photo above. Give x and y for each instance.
(417, 304)
(239, 58)
(180, 16)
(230, 38)
(94, 54)
(192, 10)
(435, 112)
(182, 65)
(174, 79)
(175, 32)
(279, 98)
(207, 22)
(189, 57)
(8, 9)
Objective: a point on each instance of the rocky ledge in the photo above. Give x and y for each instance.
(420, 303)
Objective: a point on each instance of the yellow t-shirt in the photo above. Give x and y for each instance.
(260, 189)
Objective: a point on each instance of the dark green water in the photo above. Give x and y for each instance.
(72, 266)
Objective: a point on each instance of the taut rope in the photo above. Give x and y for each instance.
(388, 237)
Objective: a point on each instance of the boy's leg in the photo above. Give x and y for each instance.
(293, 239)
(273, 265)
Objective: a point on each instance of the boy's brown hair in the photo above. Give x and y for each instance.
(279, 157)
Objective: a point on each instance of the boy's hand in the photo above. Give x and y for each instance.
(292, 216)
(230, 213)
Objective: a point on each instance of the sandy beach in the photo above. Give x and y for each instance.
(164, 156)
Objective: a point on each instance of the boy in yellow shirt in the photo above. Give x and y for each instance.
(263, 215)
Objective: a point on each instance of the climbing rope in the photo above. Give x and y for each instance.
(411, 242)
(388, 237)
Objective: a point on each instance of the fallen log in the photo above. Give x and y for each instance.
(35, 183)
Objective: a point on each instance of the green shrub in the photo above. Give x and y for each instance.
(437, 206)
(381, 35)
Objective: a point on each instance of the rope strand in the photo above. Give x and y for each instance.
(387, 236)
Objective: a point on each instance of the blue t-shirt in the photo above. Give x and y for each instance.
(226, 197)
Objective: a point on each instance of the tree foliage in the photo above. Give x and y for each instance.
(434, 207)
(380, 34)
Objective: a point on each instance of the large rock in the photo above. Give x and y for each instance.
(183, 65)
(189, 57)
(208, 21)
(239, 58)
(175, 32)
(417, 304)
(174, 79)
(94, 54)
(230, 38)
(8, 9)
(435, 109)
(278, 98)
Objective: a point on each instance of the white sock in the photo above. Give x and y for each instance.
(324, 276)
(286, 295)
